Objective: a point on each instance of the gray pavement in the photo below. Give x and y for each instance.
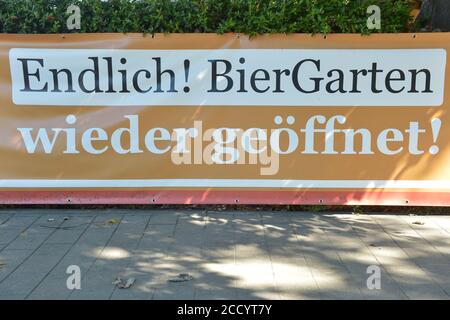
(230, 254)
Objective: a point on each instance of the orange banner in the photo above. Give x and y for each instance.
(202, 118)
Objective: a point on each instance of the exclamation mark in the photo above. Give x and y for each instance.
(435, 128)
(186, 74)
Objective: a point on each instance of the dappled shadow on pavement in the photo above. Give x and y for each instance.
(230, 255)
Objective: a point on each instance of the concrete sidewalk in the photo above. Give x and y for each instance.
(231, 255)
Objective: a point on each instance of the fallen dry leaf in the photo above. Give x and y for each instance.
(182, 277)
(112, 221)
(124, 284)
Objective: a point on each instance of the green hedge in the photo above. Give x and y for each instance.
(217, 16)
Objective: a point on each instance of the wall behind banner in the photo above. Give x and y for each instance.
(202, 118)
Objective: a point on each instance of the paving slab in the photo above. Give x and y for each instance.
(229, 254)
